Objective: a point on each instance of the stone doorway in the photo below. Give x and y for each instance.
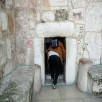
(53, 29)
(47, 69)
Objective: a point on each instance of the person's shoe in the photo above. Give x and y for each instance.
(54, 86)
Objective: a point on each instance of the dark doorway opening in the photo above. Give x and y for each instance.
(47, 44)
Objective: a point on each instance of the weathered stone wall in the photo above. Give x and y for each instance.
(7, 39)
(79, 21)
(25, 18)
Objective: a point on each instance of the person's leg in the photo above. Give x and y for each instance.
(58, 67)
(51, 65)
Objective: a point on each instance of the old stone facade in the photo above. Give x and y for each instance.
(24, 24)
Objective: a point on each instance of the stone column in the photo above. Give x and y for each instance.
(84, 65)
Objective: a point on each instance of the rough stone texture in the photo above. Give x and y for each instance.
(18, 86)
(93, 45)
(37, 79)
(21, 3)
(84, 65)
(7, 41)
(48, 16)
(8, 68)
(2, 52)
(57, 2)
(79, 14)
(51, 29)
(61, 15)
(95, 80)
(9, 4)
(4, 20)
(94, 11)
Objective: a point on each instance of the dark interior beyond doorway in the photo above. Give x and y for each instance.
(47, 44)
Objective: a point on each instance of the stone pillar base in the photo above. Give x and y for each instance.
(84, 65)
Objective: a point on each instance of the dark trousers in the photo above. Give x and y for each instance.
(55, 67)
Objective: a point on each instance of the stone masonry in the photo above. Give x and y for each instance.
(30, 21)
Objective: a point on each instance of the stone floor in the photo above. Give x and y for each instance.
(64, 94)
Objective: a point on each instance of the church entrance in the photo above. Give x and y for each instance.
(61, 79)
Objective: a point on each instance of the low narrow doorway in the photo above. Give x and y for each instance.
(61, 79)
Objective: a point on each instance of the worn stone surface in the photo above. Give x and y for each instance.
(93, 45)
(8, 43)
(48, 16)
(58, 2)
(37, 79)
(25, 13)
(61, 15)
(79, 14)
(11, 23)
(51, 29)
(4, 20)
(18, 86)
(84, 65)
(8, 68)
(95, 80)
(9, 4)
(94, 11)
(21, 3)
(2, 52)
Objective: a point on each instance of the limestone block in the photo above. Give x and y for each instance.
(48, 16)
(58, 2)
(1, 71)
(78, 14)
(8, 47)
(96, 61)
(20, 48)
(95, 80)
(32, 3)
(73, 3)
(29, 56)
(37, 79)
(80, 46)
(90, 1)
(11, 23)
(61, 15)
(71, 66)
(81, 3)
(21, 3)
(18, 86)
(51, 29)
(8, 4)
(22, 28)
(28, 14)
(39, 56)
(93, 45)
(29, 51)
(4, 20)
(77, 3)
(8, 68)
(21, 59)
(79, 30)
(84, 65)
(2, 52)
(94, 12)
